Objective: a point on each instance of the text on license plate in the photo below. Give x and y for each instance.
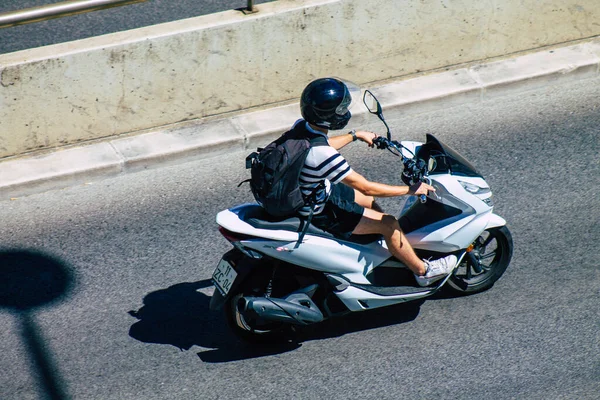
(224, 276)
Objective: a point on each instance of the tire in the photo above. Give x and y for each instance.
(485, 264)
(251, 330)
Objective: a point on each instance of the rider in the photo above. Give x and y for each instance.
(345, 200)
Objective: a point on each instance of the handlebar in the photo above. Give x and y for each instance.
(382, 143)
(415, 169)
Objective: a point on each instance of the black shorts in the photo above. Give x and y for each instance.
(341, 213)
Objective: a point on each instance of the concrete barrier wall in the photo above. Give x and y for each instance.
(152, 77)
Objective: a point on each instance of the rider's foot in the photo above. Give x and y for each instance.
(436, 270)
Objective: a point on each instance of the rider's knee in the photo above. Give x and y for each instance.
(363, 199)
(370, 201)
(390, 224)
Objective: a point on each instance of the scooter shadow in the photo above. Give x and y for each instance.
(362, 321)
(179, 316)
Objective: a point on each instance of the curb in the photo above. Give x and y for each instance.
(76, 165)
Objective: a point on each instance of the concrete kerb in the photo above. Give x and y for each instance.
(77, 165)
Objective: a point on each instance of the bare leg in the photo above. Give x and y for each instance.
(366, 201)
(376, 222)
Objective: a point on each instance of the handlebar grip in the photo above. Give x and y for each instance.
(380, 142)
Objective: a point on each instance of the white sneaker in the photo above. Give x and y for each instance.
(436, 270)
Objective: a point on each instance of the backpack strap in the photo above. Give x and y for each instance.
(313, 206)
(315, 140)
(318, 140)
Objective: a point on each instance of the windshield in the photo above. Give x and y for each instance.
(446, 159)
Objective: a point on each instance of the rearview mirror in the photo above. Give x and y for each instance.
(372, 103)
(374, 107)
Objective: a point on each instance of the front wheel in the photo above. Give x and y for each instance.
(485, 263)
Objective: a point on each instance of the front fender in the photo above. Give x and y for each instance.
(495, 221)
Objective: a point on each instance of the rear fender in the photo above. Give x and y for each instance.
(216, 301)
(243, 265)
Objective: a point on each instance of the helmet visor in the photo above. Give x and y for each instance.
(351, 97)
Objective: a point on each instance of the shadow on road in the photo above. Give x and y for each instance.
(179, 316)
(331, 328)
(31, 280)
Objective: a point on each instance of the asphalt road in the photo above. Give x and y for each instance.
(120, 311)
(102, 22)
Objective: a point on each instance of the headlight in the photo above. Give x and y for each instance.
(485, 194)
(474, 189)
(469, 187)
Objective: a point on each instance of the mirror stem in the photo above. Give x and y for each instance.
(389, 134)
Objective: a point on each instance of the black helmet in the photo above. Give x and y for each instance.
(325, 103)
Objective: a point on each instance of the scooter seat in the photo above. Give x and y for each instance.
(258, 218)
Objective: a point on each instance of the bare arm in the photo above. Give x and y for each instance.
(337, 142)
(376, 189)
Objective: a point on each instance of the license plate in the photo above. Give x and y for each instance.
(224, 276)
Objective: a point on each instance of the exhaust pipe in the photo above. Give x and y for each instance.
(297, 309)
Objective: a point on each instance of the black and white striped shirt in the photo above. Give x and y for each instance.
(324, 164)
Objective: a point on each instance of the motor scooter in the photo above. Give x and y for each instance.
(269, 283)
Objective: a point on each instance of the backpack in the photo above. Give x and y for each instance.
(275, 171)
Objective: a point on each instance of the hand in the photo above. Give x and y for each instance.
(366, 137)
(420, 188)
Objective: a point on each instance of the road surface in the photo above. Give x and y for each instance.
(122, 309)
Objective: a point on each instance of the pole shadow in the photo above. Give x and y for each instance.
(180, 316)
(30, 280)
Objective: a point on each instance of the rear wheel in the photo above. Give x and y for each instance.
(485, 264)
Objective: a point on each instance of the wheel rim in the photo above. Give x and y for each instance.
(479, 264)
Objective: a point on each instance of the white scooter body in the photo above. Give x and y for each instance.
(353, 261)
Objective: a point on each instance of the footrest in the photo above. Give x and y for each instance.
(394, 290)
(394, 281)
